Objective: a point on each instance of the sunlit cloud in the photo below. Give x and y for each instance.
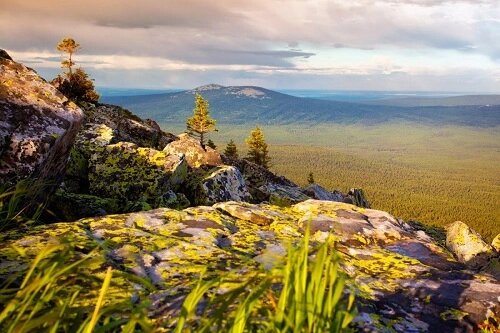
(230, 41)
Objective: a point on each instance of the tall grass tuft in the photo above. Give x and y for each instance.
(306, 294)
(62, 292)
(17, 207)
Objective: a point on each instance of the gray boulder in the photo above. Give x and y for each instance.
(496, 243)
(356, 196)
(126, 171)
(318, 192)
(196, 155)
(225, 184)
(283, 194)
(37, 125)
(467, 245)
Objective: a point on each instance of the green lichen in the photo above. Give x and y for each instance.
(381, 270)
(453, 314)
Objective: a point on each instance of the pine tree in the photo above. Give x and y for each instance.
(211, 144)
(231, 150)
(257, 148)
(201, 122)
(310, 178)
(69, 46)
(76, 85)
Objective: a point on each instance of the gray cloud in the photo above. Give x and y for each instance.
(270, 33)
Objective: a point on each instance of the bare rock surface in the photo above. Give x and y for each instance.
(196, 155)
(37, 124)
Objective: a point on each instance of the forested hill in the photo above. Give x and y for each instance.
(247, 104)
(466, 100)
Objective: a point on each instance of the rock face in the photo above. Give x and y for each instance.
(196, 156)
(404, 282)
(283, 194)
(126, 171)
(356, 196)
(264, 185)
(127, 127)
(467, 245)
(225, 184)
(496, 243)
(315, 191)
(37, 124)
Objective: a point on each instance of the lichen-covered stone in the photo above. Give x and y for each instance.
(356, 196)
(37, 125)
(283, 194)
(196, 155)
(225, 183)
(467, 245)
(262, 183)
(127, 127)
(403, 283)
(126, 171)
(73, 206)
(495, 244)
(316, 191)
(91, 138)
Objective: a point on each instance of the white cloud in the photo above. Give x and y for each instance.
(264, 37)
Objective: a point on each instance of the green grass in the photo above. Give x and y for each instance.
(307, 294)
(65, 290)
(433, 174)
(17, 203)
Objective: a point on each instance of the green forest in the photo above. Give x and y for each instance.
(435, 175)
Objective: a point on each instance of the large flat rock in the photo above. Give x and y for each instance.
(404, 281)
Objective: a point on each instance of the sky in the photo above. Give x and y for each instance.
(385, 45)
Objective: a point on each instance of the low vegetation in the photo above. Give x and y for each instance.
(67, 290)
(18, 207)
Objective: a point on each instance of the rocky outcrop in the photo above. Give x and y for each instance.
(126, 171)
(126, 126)
(37, 125)
(467, 245)
(196, 155)
(318, 192)
(283, 194)
(404, 281)
(356, 196)
(495, 244)
(225, 184)
(264, 185)
(69, 206)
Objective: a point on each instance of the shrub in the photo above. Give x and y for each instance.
(77, 86)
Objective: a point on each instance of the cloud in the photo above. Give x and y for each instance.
(260, 36)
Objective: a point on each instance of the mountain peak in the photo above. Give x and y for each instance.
(210, 86)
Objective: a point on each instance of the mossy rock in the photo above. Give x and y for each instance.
(224, 183)
(127, 172)
(72, 206)
(467, 245)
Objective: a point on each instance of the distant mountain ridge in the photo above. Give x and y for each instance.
(257, 105)
(466, 100)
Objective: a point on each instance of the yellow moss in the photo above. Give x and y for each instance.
(382, 271)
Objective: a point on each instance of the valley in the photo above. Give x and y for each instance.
(432, 174)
